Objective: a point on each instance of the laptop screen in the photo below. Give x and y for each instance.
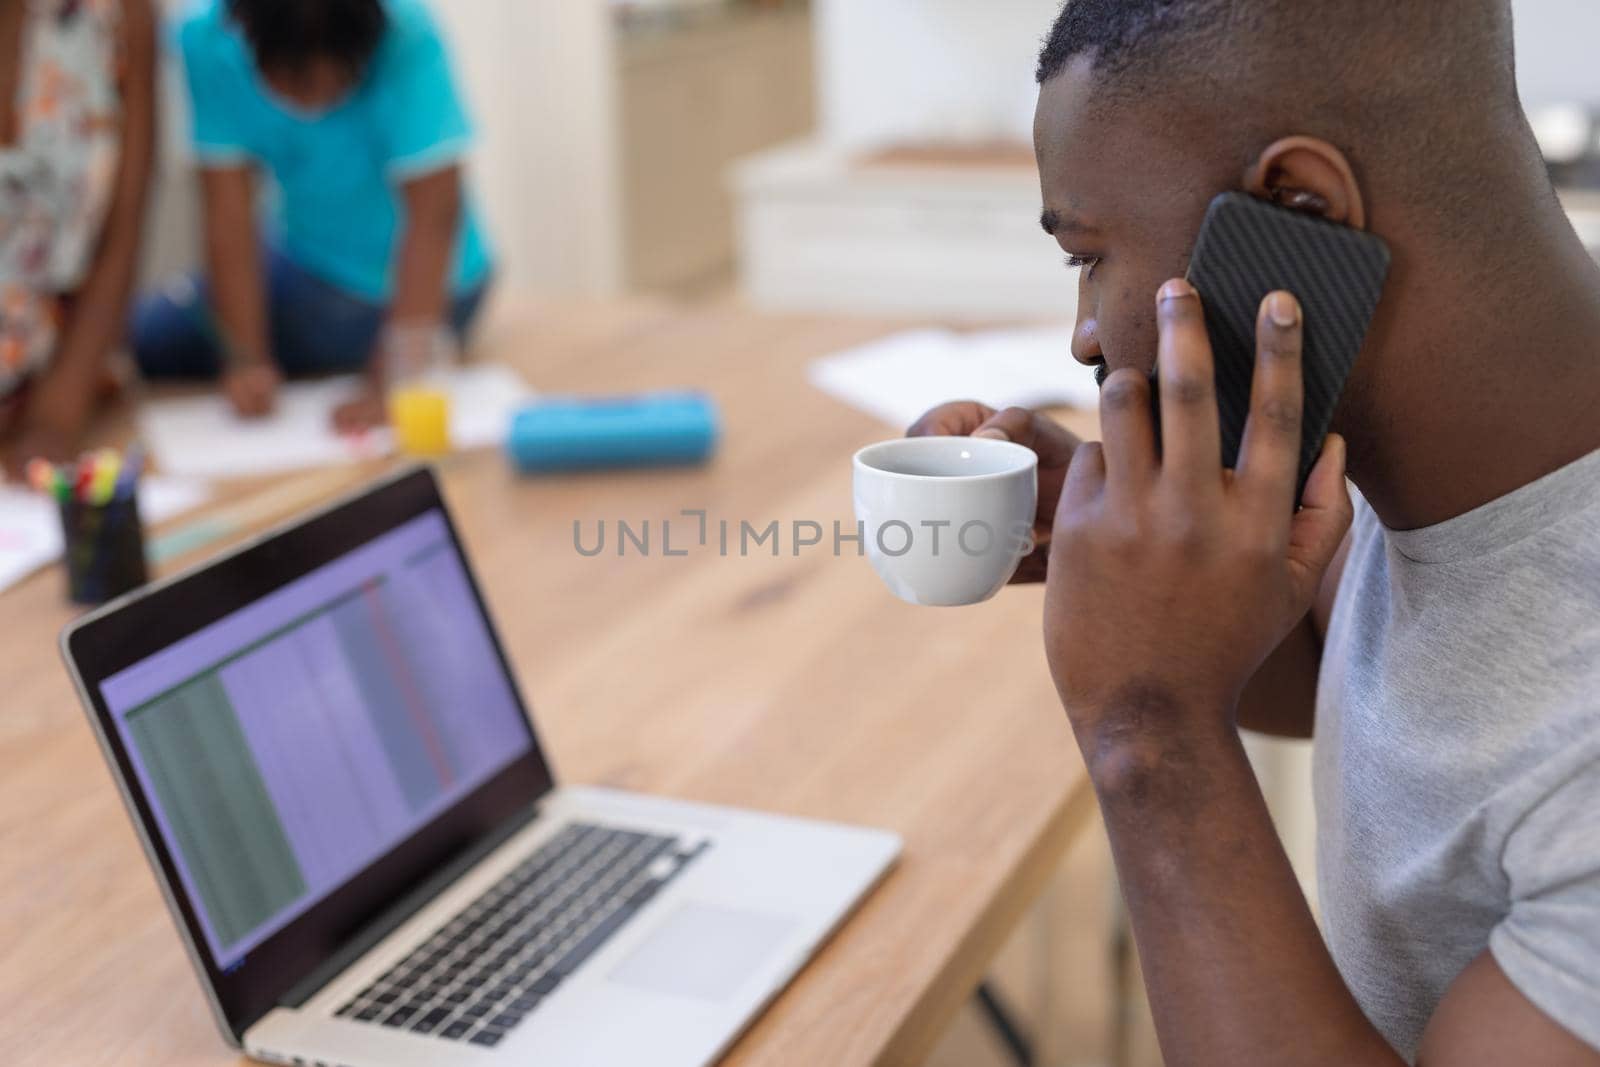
(286, 746)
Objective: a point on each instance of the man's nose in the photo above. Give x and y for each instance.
(1086, 342)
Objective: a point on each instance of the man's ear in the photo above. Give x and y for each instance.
(1310, 175)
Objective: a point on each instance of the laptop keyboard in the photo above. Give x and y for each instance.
(485, 970)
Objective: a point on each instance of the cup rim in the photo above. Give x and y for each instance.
(1028, 459)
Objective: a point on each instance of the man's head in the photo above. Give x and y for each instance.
(311, 52)
(1396, 116)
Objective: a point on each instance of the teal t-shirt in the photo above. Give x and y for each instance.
(337, 209)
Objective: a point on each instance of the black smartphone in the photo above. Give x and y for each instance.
(1249, 248)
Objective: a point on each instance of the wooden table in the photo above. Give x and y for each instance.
(788, 684)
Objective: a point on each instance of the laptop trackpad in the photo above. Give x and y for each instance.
(703, 951)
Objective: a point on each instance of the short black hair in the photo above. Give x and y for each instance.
(1107, 30)
(1364, 38)
(1414, 89)
(286, 35)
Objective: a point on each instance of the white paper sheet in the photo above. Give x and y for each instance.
(30, 523)
(483, 400)
(899, 378)
(30, 534)
(201, 437)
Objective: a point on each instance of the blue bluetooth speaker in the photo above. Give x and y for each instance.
(579, 434)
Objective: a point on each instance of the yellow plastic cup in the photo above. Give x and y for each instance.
(420, 415)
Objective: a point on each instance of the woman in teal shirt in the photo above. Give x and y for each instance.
(350, 110)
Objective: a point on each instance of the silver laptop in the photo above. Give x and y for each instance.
(337, 782)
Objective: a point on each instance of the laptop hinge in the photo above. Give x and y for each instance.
(396, 914)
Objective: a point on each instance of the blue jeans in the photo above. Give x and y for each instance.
(316, 328)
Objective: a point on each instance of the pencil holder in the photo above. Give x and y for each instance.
(104, 549)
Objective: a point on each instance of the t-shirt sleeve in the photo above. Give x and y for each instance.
(425, 122)
(1549, 943)
(218, 134)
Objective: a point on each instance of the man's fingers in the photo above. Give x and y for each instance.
(1269, 459)
(1324, 518)
(1053, 443)
(956, 419)
(1126, 427)
(1013, 424)
(964, 418)
(1190, 439)
(1034, 568)
(1085, 478)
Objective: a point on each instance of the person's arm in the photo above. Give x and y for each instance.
(238, 290)
(1281, 697)
(1485, 1021)
(433, 207)
(97, 311)
(1236, 968)
(422, 273)
(1169, 585)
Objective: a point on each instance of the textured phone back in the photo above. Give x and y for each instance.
(1249, 248)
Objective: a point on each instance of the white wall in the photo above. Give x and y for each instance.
(1557, 44)
(538, 75)
(898, 69)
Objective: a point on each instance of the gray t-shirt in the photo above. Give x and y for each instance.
(1457, 757)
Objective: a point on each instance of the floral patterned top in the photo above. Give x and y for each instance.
(56, 180)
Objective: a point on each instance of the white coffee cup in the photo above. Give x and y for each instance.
(946, 520)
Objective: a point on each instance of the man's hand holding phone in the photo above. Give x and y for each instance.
(1053, 444)
(1172, 579)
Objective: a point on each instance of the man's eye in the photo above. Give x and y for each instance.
(1077, 262)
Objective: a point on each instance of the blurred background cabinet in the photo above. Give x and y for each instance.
(696, 93)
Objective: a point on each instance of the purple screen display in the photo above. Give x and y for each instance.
(290, 744)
